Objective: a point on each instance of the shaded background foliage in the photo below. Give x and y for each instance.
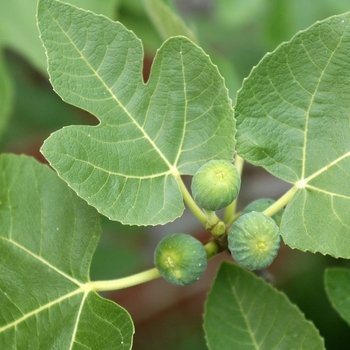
(236, 34)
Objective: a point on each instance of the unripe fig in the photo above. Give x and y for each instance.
(180, 258)
(216, 184)
(260, 205)
(254, 240)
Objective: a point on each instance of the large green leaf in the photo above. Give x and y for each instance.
(244, 312)
(293, 119)
(129, 165)
(47, 238)
(337, 282)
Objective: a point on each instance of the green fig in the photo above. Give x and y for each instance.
(215, 185)
(180, 258)
(254, 240)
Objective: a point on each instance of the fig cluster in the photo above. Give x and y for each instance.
(253, 239)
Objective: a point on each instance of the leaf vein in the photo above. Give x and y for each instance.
(40, 309)
(306, 132)
(39, 258)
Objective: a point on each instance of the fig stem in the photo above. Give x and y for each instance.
(191, 204)
(212, 218)
(125, 282)
(281, 202)
(231, 209)
(219, 229)
(212, 249)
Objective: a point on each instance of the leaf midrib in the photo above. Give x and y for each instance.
(45, 262)
(308, 113)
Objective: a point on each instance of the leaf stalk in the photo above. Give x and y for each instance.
(191, 204)
(281, 202)
(125, 282)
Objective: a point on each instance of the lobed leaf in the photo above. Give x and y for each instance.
(47, 239)
(337, 282)
(293, 119)
(129, 165)
(244, 312)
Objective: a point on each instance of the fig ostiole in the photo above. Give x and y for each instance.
(180, 258)
(216, 184)
(254, 240)
(260, 205)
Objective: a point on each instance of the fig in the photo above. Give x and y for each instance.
(262, 204)
(254, 240)
(216, 184)
(180, 258)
